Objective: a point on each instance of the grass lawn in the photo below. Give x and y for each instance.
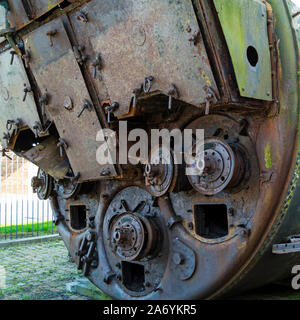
(35, 229)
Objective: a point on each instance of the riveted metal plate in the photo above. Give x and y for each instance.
(248, 45)
(56, 72)
(138, 39)
(285, 248)
(39, 7)
(12, 107)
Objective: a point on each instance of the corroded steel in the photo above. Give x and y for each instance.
(148, 231)
(152, 42)
(13, 80)
(57, 73)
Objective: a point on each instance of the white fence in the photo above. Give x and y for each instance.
(22, 214)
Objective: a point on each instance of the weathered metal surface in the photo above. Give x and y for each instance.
(84, 32)
(136, 244)
(16, 16)
(38, 7)
(57, 73)
(285, 248)
(158, 39)
(13, 80)
(46, 156)
(138, 207)
(249, 52)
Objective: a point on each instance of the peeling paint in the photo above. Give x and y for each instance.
(268, 159)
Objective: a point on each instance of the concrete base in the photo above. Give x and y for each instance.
(85, 288)
(12, 243)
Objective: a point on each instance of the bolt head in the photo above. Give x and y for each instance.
(191, 225)
(178, 259)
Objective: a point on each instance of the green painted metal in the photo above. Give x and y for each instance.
(244, 23)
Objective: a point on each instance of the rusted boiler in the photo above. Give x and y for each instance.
(147, 231)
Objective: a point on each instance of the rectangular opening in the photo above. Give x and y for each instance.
(211, 220)
(133, 276)
(78, 217)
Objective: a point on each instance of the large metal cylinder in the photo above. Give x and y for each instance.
(140, 227)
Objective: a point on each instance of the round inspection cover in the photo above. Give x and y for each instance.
(212, 167)
(127, 237)
(160, 172)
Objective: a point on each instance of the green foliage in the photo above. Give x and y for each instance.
(24, 230)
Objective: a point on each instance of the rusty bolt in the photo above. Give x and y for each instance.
(51, 34)
(172, 93)
(191, 225)
(119, 277)
(37, 128)
(62, 144)
(86, 105)
(96, 65)
(111, 109)
(178, 259)
(82, 16)
(44, 101)
(26, 90)
(13, 53)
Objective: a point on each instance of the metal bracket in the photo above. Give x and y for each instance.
(87, 253)
(292, 246)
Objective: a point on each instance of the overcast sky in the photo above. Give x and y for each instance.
(297, 2)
